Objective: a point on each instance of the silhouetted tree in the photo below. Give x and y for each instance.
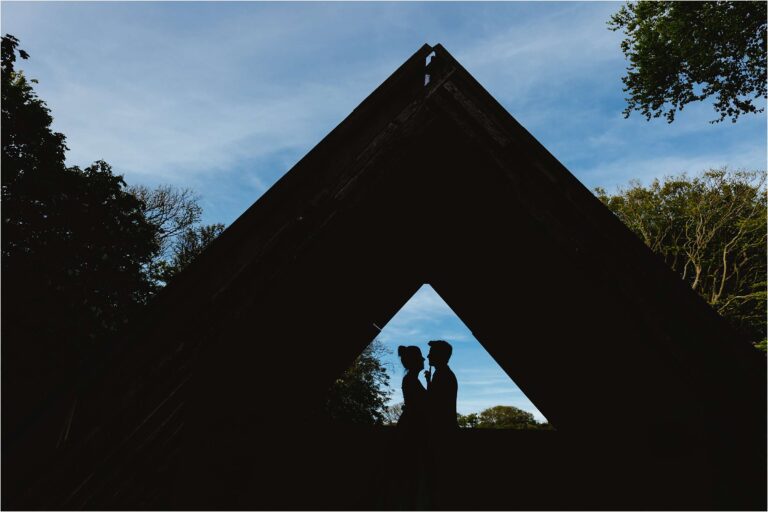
(360, 395)
(176, 213)
(187, 245)
(75, 245)
(172, 210)
(711, 230)
(74, 240)
(681, 52)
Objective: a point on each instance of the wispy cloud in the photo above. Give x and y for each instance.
(552, 51)
(177, 103)
(186, 136)
(645, 168)
(423, 317)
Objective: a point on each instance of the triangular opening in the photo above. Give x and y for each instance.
(487, 395)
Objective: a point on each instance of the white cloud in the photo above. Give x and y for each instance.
(179, 102)
(547, 53)
(183, 137)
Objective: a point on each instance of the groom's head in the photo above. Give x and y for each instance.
(439, 352)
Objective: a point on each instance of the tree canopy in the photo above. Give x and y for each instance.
(75, 242)
(502, 417)
(683, 52)
(359, 396)
(711, 230)
(75, 247)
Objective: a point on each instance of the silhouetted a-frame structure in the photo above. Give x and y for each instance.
(214, 401)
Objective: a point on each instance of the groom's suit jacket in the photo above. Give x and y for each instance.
(442, 399)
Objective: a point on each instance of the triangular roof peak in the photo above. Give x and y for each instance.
(427, 181)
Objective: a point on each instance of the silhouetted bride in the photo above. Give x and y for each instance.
(410, 491)
(414, 415)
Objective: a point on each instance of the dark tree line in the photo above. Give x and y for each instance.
(502, 417)
(82, 253)
(496, 417)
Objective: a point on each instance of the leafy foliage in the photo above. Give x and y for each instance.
(29, 145)
(75, 242)
(682, 52)
(502, 416)
(75, 249)
(711, 230)
(81, 252)
(360, 395)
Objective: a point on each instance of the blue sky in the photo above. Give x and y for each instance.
(224, 98)
(482, 382)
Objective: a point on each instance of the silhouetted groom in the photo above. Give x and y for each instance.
(441, 387)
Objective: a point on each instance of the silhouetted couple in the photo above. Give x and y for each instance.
(432, 409)
(426, 424)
